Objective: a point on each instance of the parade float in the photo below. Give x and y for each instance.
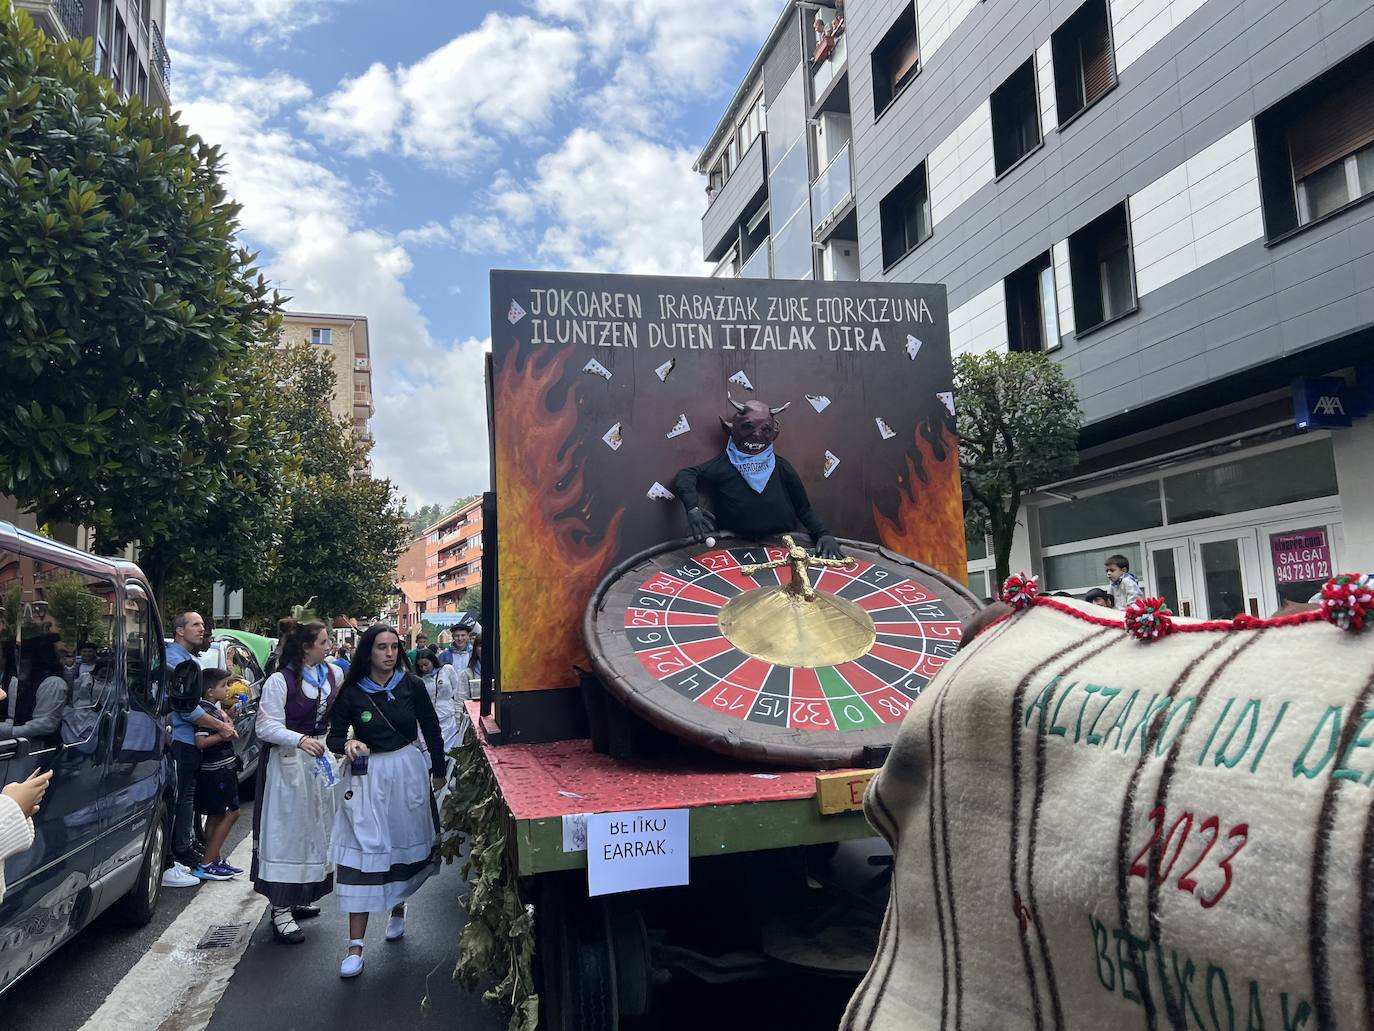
(680, 712)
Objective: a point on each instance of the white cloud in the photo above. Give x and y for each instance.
(502, 79)
(428, 397)
(260, 22)
(619, 204)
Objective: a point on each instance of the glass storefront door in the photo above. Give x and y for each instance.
(1171, 575)
(1227, 574)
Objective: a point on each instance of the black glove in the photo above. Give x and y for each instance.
(701, 523)
(828, 547)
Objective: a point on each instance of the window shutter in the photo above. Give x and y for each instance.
(1099, 70)
(1337, 126)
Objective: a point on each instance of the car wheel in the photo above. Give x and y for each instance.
(139, 905)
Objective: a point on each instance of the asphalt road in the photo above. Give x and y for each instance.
(406, 984)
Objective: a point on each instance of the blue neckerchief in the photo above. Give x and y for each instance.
(756, 469)
(319, 678)
(372, 687)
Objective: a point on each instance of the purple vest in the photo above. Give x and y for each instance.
(301, 712)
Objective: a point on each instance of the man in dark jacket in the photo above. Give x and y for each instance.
(755, 492)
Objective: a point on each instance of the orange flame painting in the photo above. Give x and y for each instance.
(550, 557)
(928, 525)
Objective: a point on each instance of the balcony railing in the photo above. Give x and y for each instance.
(824, 73)
(832, 188)
(757, 265)
(162, 64)
(73, 15)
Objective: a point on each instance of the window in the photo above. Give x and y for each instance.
(1084, 62)
(1258, 481)
(1080, 570)
(321, 336)
(144, 651)
(1316, 147)
(1015, 117)
(1136, 507)
(904, 215)
(1033, 306)
(1101, 270)
(896, 60)
(749, 128)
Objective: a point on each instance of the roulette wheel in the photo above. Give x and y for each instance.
(760, 651)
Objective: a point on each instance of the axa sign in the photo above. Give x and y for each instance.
(1322, 401)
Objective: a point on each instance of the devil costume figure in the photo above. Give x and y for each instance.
(756, 493)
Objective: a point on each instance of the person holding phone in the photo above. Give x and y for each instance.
(385, 840)
(19, 802)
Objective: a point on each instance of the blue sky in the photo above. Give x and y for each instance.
(386, 161)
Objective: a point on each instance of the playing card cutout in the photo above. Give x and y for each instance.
(818, 401)
(741, 380)
(665, 369)
(612, 438)
(884, 430)
(516, 313)
(831, 464)
(913, 347)
(947, 399)
(680, 427)
(660, 493)
(596, 369)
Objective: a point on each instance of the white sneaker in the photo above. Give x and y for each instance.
(396, 927)
(352, 965)
(177, 876)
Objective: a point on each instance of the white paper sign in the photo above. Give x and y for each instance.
(628, 851)
(575, 832)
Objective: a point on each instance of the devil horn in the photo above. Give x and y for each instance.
(738, 407)
(781, 408)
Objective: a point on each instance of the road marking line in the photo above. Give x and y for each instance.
(175, 986)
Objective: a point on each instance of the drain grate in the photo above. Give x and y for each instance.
(222, 936)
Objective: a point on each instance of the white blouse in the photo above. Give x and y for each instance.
(271, 720)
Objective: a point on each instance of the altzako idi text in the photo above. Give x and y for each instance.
(724, 321)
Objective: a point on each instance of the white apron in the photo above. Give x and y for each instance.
(295, 814)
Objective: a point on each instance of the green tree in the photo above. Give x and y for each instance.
(1018, 429)
(345, 530)
(126, 307)
(472, 602)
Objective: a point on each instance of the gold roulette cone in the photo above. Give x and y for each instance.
(786, 629)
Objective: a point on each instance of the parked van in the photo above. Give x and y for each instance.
(103, 827)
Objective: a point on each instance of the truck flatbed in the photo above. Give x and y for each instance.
(735, 807)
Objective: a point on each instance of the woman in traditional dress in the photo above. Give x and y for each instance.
(386, 826)
(441, 682)
(295, 809)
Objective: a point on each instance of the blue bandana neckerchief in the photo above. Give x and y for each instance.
(372, 687)
(318, 679)
(756, 469)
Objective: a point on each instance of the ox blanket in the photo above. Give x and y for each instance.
(1094, 831)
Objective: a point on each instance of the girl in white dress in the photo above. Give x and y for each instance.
(296, 779)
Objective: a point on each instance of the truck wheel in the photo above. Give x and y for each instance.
(139, 905)
(578, 962)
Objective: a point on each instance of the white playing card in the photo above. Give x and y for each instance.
(516, 313)
(818, 401)
(947, 399)
(663, 370)
(680, 427)
(884, 430)
(913, 347)
(612, 437)
(659, 492)
(831, 464)
(596, 369)
(741, 380)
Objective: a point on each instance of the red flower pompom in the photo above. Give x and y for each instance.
(1149, 618)
(1348, 600)
(1020, 590)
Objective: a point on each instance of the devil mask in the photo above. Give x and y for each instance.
(755, 425)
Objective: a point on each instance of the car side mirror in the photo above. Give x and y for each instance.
(184, 691)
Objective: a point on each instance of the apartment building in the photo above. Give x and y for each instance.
(345, 337)
(1170, 197)
(129, 49)
(453, 558)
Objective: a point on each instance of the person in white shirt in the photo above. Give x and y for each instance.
(1125, 585)
(296, 779)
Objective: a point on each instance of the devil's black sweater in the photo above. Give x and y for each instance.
(781, 508)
